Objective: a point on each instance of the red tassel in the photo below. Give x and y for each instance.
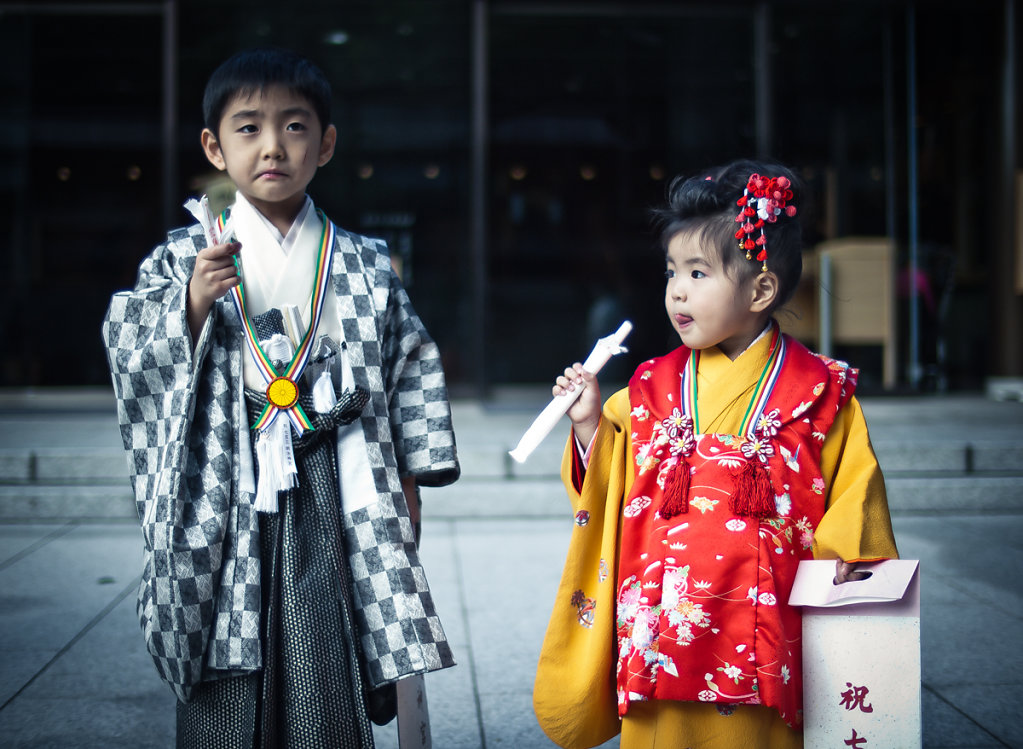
(676, 491)
(754, 495)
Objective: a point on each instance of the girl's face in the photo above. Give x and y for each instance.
(706, 306)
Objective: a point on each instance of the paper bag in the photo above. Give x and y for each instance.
(861, 655)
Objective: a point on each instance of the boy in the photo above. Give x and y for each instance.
(281, 609)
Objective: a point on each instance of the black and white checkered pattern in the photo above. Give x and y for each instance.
(401, 633)
(199, 601)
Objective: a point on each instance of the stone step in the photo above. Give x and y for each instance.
(100, 465)
(39, 503)
(62, 465)
(510, 498)
(980, 456)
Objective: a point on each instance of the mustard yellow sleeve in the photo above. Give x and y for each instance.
(605, 448)
(856, 526)
(574, 693)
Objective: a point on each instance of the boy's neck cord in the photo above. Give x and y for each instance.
(282, 388)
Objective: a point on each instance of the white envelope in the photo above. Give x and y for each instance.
(889, 582)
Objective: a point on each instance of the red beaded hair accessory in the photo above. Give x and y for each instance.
(765, 198)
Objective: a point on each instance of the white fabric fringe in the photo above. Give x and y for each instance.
(324, 398)
(276, 464)
(274, 452)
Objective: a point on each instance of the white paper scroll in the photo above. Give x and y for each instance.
(604, 349)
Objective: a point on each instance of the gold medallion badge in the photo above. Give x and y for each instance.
(282, 392)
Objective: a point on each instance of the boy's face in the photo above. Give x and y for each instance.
(271, 143)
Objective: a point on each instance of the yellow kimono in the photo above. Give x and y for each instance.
(574, 695)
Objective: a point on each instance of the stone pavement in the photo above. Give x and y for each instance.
(74, 673)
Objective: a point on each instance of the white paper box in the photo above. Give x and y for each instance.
(861, 656)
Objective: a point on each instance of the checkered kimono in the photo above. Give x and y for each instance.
(184, 427)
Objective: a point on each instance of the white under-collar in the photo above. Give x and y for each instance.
(287, 241)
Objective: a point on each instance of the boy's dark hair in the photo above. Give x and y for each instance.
(705, 205)
(254, 70)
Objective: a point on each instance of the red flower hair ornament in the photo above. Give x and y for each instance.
(762, 202)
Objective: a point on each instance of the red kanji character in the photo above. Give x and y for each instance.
(856, 741)
(855, 697)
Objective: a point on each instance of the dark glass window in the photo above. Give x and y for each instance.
(592, 107)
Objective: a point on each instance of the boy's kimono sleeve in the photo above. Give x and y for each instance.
(856, 526)
(150, 353)
(176, 407)
(419, 411)
(574, 695)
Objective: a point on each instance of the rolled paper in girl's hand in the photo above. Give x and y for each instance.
(604, 349)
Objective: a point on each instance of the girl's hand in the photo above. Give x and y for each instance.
(214, 275)
(846, 572)
(585, 412)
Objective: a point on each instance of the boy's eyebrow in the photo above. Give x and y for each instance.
(296, 111)
(242, 114)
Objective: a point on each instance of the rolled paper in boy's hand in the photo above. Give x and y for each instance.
(200, 209)
(604, 349)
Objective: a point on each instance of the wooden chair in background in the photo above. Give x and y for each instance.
(847, 297)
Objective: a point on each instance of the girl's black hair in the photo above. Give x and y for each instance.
(254, 70)
(706, 206)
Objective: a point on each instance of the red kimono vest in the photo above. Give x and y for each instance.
(701, 603)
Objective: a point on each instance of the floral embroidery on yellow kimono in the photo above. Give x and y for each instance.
(574, 695)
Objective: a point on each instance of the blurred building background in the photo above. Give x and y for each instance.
(511, 151)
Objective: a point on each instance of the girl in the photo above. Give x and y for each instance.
(699, 489)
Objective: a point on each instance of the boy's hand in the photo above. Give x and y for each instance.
(846, 572)
(214, 275)
(585, 412)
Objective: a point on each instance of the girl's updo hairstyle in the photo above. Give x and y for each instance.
(705, 206)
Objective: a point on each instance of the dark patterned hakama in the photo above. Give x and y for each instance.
(312, 658)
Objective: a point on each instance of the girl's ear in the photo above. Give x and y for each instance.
(211, 147)
(765, 291)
